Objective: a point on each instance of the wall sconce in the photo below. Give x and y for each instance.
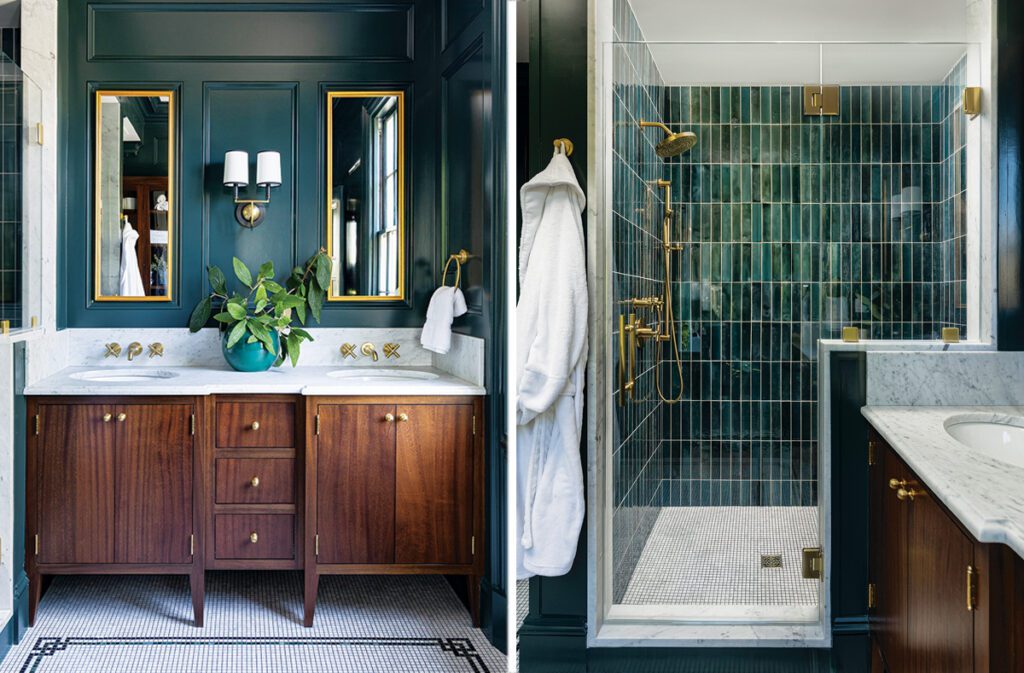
(250, 212)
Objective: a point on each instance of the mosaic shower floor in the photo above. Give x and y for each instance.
(143, 624)
(711, 556)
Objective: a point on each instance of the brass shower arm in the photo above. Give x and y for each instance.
(659, 125)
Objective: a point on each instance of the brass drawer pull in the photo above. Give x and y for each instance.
(121, 417)
(255, 425)
(253, 537)
(390, 418)
(403, 417)
(254, 482)
(895, 483)
(909, 494)
(107, 418)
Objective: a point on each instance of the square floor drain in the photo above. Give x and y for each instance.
(771, 560)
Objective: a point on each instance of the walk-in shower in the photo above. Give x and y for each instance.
(760, 220)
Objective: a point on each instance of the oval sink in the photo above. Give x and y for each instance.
(373, 375)
(1002, 439)
(123, 375)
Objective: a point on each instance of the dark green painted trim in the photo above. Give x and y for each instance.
(1010, 177)
(19, 617)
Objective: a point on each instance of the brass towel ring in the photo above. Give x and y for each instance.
(460, 258)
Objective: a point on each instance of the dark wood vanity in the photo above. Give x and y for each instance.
(329, 485)
(940, 600)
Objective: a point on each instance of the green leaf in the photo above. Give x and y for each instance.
(200, 314)
(236, 309)
(217, 280)
(266, 270)
(224, 317)
(261, 333)
(323, 272)
(294, 344)
(302, 333)
(316, 301)
(300, 311)
(272, 287)
(242, 272)
(236, 334)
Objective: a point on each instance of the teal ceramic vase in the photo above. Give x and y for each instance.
(246, 357)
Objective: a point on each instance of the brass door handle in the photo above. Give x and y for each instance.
(121, 417)
(107, 418)
(255, 425)
(403, 417)
(253, 537)
(905, 494)
(390, 418)
(254, 482)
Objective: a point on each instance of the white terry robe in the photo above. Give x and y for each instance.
(551, 337)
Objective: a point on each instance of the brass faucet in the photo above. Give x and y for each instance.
(368, 349)
(134, 348)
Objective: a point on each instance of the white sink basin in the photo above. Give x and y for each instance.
(124, 375)
(1001, 439)
(382, 375)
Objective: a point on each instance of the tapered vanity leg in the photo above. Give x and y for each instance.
(35, 592)
(312, 579)
(197, 581)
(473, 593)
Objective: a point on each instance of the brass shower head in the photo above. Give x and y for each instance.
(674, 144)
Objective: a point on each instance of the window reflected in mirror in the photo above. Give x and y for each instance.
(365, 187)
(134, 199)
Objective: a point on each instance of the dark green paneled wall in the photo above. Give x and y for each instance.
(250, 76)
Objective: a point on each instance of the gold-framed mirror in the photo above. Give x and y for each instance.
(365, 216)
(133, 223)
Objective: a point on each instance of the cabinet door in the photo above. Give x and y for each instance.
(154, 483)
(434, 484)
(889, 559)
(941, 628)
(75, 484)
(355, 489)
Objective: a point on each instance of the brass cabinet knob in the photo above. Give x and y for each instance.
(255, 425)
(403, 417)
(390, 418)
(254, 482)
(253, 537)
(909, 494)
(121, 417)
(895, 483)
(107, 418)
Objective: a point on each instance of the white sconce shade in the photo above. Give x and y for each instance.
(268, 169)
(236, 169)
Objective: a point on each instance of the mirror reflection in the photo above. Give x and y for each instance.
(133, 144)
(365, 187)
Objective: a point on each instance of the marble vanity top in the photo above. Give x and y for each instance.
(209, 380)
(986, 495)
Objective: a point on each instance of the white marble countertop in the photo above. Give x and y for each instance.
(986, 495)
(207, 380)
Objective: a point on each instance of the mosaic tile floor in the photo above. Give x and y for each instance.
(712, 556)
(522, 601)
(253, 624)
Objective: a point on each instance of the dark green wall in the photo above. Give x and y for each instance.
(252, 76)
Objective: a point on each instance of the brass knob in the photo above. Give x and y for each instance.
(106, 418)
(254, 482)
(255, 425)
(403, 417)
(895, 483)
(390, 418)
(121, 417)
(908, 494)
(253, 537)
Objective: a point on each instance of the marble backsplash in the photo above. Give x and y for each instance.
(75, 347)
(945, 378)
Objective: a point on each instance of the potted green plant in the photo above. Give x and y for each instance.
(258, 325)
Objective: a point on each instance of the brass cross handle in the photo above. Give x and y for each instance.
(113, 350)
(348, 350)
(391, 350)
(156, 350)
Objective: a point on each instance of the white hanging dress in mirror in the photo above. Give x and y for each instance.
(131, 278)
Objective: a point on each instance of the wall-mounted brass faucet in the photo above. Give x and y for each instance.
(368, 349)
(134, 349)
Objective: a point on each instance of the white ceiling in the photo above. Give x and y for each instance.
(877, 21)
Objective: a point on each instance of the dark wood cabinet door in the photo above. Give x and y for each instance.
(889, 559)
(75, 482)
(355, 489)
(154, 483)
(941, 628)
(434, 484)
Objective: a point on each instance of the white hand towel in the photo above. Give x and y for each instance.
(446, 304)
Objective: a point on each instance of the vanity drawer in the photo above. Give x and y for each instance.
(274, 536)
(255, 424)
(255, 481)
